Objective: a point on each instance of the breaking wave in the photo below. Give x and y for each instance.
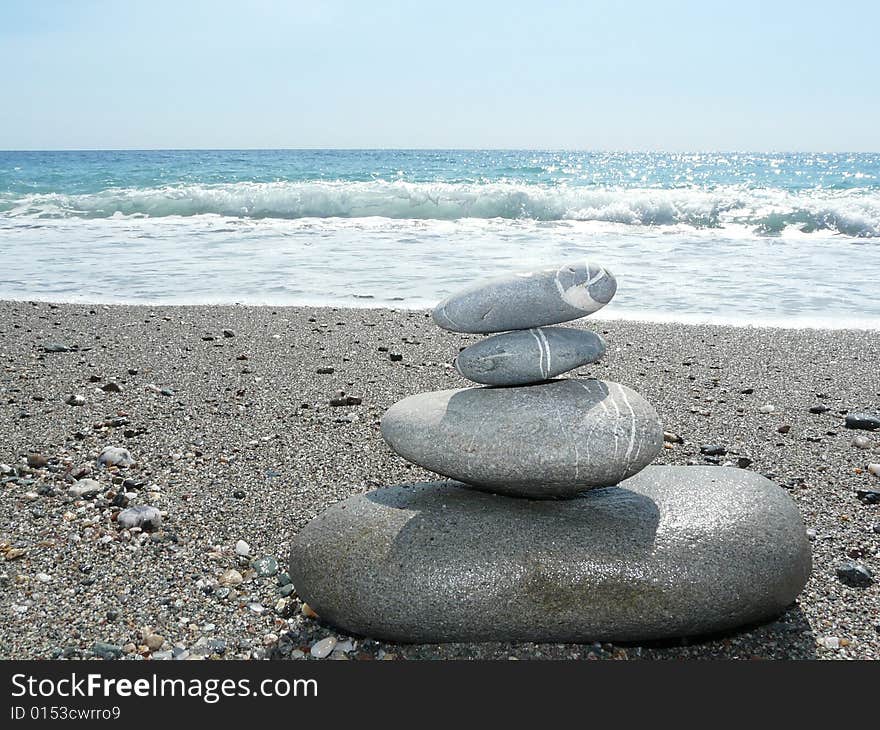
(767, 211)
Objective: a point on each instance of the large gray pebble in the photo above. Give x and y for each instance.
(680, 551)
(528, 356)
(115, 456)
(528, 299)
(865, 421)
(548, 440)
(143, 516)
(84, 488)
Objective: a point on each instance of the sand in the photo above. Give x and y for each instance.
(250, 449)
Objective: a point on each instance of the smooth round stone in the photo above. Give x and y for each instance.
(553, 439)
(143, 516)
(528, 356)
(680, 551)
(528, 299)
(865, 421)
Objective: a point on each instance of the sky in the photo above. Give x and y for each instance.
(600, 75)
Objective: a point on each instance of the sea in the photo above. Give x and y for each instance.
(788, 240)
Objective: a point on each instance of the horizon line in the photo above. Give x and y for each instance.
(443, 149)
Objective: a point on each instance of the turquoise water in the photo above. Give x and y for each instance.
(761, 238)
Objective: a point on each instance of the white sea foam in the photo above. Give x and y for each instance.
(764, 211)
(669, 272)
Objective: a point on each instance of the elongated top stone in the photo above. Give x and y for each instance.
(528, 299)
(528, 356)
(553, 439)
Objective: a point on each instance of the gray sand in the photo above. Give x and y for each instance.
(70, 578)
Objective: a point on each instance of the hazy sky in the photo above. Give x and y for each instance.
(624, 74)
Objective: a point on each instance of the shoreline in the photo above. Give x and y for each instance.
(647, 317)
(230, 426)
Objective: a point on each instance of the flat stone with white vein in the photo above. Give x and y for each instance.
(528, 299)
(528, 356)
(553, 439)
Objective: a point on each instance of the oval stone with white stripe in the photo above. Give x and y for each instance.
(528, 299)
(554, 439)
(528, 356)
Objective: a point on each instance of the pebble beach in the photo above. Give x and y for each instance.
(243, 423)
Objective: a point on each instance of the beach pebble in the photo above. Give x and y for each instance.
(868, 496)
(864, 421)
(75, 400)
(230, 578)
(862, 442)
(341, 399)
(767, 408)
(528, 356)
(104, 650)
(548, 440)
(154, 642)
(855, 575)
(820, 408)
(675, 551)
(672, 438)
(527, 299)
(84, 489)
(217, 646)
(713, 450)
(36, 461)
(322, 648)
(111, 387)
(55, 347)
(242, 548)
(115, 456)
(874, 469)
(344, 647)
(143, 516)
(265, 567)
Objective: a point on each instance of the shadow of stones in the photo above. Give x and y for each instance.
(786, 636)
(529, 567)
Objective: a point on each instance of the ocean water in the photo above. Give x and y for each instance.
(782, 239)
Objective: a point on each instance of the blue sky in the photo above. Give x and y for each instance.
(587, 75)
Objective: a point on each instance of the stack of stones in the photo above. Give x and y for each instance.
(554, 527)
